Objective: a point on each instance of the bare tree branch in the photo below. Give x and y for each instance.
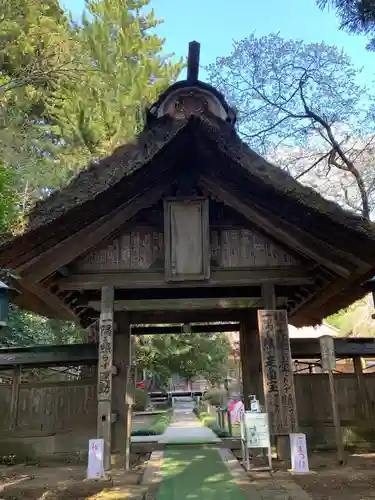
(338, 151)
(312, 166)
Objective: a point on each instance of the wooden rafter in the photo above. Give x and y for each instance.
(62, 310)
(223, 277)
(319, 251)
(314, 301)
(183, 293)
(67, 250)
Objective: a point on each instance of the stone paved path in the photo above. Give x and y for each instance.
(206, 473)
(186, 428)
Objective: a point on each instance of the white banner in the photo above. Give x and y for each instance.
(95, 466)
(298, 448)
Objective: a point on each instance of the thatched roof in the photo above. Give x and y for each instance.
(102, 175)
(214, 146)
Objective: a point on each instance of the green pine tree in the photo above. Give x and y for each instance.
(126, 70)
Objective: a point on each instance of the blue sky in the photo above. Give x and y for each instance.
(216, 23)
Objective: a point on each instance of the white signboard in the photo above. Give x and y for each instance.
(298, 448)
(257, 431)
(96, 466)
(255, 434)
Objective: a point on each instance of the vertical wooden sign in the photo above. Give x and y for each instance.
(105, 361)
(105, 356)
(328, 357)
(277, 370)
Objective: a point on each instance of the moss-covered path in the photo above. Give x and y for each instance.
(196, 474)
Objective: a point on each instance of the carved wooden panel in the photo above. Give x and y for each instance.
(277, 371)
(134, 250)
(186, 239)
(245, 248)
(143, 249)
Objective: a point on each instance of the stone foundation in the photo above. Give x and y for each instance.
(65, 446)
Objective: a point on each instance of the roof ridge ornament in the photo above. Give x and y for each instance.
(193, 62)
(191, 97)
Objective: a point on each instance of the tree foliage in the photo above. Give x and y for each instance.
(356, 320)
(7, 199)
(302, 106)
(37, 51)
(356, 16)
(25, 329)
(69, 93)
(189, 355)
(200, 355)
(126, 71)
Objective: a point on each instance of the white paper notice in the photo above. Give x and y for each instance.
(95, 467)
(257, 430)
(298, 448)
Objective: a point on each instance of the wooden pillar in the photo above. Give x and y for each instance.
(251, 360)
(105, 370)
(244, 365)
(121, 394)
(328, 359)
(278, 378)
(269, 296)
(91, 337)
(361, 385)
(16, 380)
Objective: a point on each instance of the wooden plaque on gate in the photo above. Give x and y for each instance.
(277, 372)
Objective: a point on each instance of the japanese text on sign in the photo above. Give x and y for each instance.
(298, 448)
(105, 357)
(277, 371)
(255, 430)
(95, 466)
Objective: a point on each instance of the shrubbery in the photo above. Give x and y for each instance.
(210, 422)
(215, 396)
(141, 399)
(158, 426)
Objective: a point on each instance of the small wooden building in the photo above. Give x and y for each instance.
(188, 224)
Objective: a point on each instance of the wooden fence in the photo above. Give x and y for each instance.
(43, 408)
(314, 403)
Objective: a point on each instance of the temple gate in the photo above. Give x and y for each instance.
(189, 225)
